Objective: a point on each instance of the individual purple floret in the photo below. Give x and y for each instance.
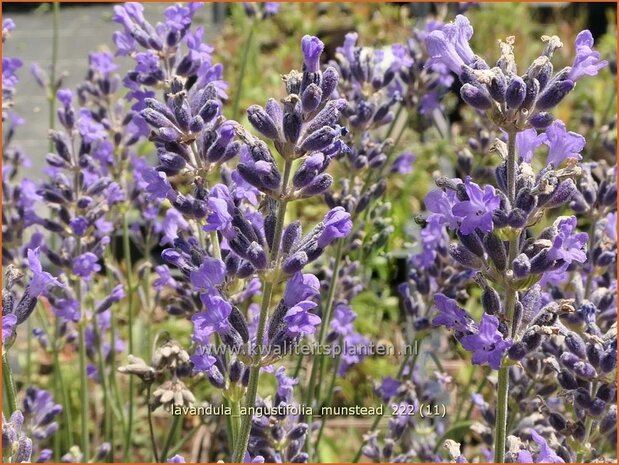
(488, 344)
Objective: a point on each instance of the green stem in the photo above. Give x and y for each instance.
(510, 304)
(590, 275)
(239, 80)
(175, 424)
(323, 419)
(151, 429)
(254, 374)
(65, 393)
(235, 409)
(318, 365)
(85, 443)
(8, 384)
(128, 265)
(107, 411)
(52, 72)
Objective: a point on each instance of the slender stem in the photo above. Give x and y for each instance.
(395, 121)
(107, 411)
(252, 390)
(52, 71)
(317, 366)
(235, 410)
(175, 424)
(323, 419)
(83, 384)
(65, 393)
(239, 80)
(128, 265)
(151, 429)
(8, 384)
(29, 352)
(590, 275)
(510, 304)
(377, 419)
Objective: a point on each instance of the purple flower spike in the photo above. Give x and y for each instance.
(563, 144)
(312, 48)
(587, 61)
(451, 315)
(337, 223)
(41, 280)
(488, 345)
(300, 321)
(477, 211)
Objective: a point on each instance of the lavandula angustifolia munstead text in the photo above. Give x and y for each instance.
(188, 239)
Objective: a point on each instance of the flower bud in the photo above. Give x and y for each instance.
(517, 351)
(490, 301)
(311, 98)
(290, 236)
(521, 266)
(541, 120)
(238, 322)
(557, 421)
(330, 79)
(575, 344)
(262, 122)
(608, 361)
(533, 89)
(594, 353)
(295, 262)
(495, 248)
(465, 257)
(567, 380)
(320, 184)
(553, 95)
(515, 93)
(476, 96)
(472, 242)
(498, 85)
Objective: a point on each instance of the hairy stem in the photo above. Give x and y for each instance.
(252, 390)
(510, 305)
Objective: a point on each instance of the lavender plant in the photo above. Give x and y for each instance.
(197, 287)
(496, 239)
